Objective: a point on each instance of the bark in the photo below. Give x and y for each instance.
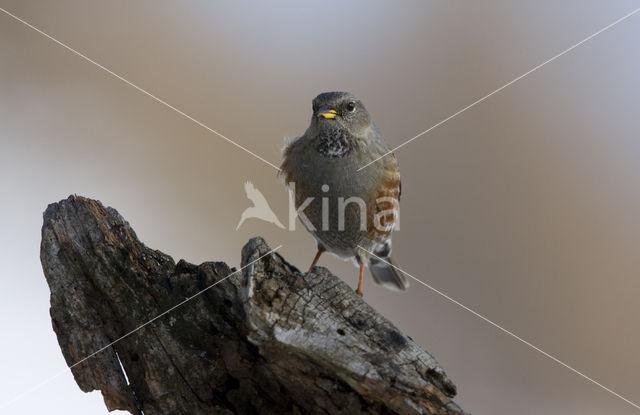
(268, 339)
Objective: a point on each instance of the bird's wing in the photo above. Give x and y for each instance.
(255, 195)
(249, 188)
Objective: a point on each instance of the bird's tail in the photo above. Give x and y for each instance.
(386, 275)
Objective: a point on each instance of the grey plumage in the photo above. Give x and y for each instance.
(386, 275)
(323, 163)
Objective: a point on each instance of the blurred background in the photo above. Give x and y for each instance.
(525, 208)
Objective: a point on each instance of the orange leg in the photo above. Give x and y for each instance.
(316, 258)
(359, 290)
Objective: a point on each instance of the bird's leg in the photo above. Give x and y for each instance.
(359, 290)
(316, 258)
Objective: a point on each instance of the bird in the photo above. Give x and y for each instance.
(260, 208)
(351, 213)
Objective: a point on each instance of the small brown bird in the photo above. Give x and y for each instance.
(348, 212)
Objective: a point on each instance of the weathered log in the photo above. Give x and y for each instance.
(268, 339)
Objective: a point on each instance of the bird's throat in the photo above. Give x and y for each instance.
(335, 142)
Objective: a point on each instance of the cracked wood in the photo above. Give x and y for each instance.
(268, 340)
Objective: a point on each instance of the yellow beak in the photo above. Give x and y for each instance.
(330, 114)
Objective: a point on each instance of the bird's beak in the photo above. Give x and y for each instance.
(327, 113)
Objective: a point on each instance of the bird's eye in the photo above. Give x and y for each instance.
(351, 106)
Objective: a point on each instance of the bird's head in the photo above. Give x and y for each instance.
(340, 109)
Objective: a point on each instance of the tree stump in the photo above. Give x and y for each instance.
(268, 339)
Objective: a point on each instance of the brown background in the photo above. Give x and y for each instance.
(524, 208)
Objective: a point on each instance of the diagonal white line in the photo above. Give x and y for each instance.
(69, 48)
(609, 26)
(41, 384)
(515, 336)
